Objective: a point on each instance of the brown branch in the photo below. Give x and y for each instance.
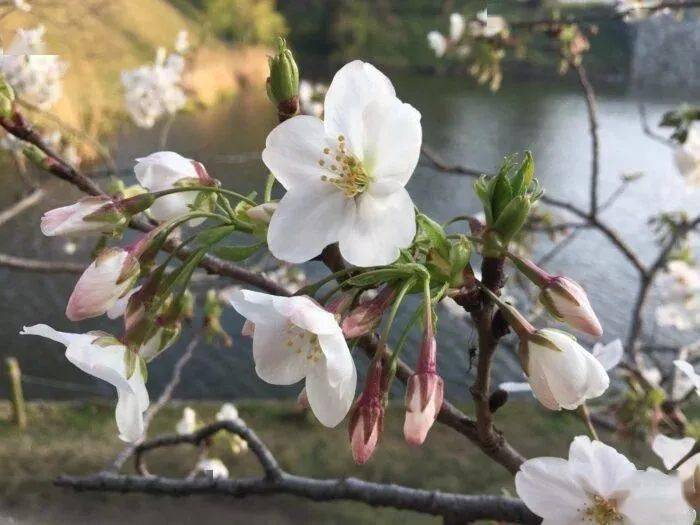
(23, 204)
(278, 481)
(591, 109)
(41, 266)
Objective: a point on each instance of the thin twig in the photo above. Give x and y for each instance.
(25, 203)
(38, 265)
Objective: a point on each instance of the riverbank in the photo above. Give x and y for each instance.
(80, 438)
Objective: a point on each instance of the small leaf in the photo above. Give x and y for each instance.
(523, 178)
(214, 235)
(512, 218)
(501, 195)
(436, 234)
(237, 253)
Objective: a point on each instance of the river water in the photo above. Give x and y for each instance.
(465, 124)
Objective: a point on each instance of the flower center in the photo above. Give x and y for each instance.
(303, 343)
(346, 172)
(603, 512)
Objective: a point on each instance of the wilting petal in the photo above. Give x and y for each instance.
(306, 221)
(292, 151)
(330, 404)
(354, 86)
(393, 137)
(381, 227)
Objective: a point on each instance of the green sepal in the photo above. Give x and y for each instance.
(215, 235)
(130, 360)
(501, 194)
(237, 253)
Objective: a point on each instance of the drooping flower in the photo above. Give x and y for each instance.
(687, 156)
(154, 90)
(672, 451)
(212, 468)
(110, 277)
(35, 75)
(367, 418)
(188, 422)
(102, 356)
(295, 338)
(560, 371)
(599, 485)
(88, 215)
(164, 170)
(345, 175)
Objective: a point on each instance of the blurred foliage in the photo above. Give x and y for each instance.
(244, 21)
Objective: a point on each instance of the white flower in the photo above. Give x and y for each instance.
(213, 468)
(88, 215)
(110, 277)
(152, 91)
(35, 76)
(599, 485)
(294, 339)
(680, 293)
(564, 377)
(182, 42)
(487, 26)
(345, 175)
(513, 387)
(227, 412)
(164, 170)
(687, 369)
(188, 422)
(671, 451)
(687, 156)
(609, 354)
(104, 357)
(457, 25)
(438, 43)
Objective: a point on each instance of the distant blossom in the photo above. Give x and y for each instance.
(311, 98)
(687, 156)
(680, 294)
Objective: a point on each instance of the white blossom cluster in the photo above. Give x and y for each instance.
(35, 76)
(154, 90)
(484, 26)
(680, 292)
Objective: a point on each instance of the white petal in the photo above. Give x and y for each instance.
(276, 363)
(670, 450)
(255, 306)
(306, 314)
(438, 43)
(129, 417)
(119, 307)
(65, 338)
(381, 227)
(292, 151)
(598, 468)
(457, 26)
(392, 139)
(655, 497)
(329, 403)
(354, 86)
(512, 387)
(547, 488)
(161, 170)
(306, 221)
(688, 370)
(173, 206)
(339, 363)
(610, 354)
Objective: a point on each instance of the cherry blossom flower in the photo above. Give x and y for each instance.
(36, 77)
(154, 90)
(438, 43)
(295, 338)
(487, 26)
(164, 170)
(561, 372)
(88, 215)
(687, 156)
(345, 175)
(212, 468)
(102, 356)
(672, 451)
(228, 412)
(188, 422)
(680, 287)
(110, 277)
(599, 485)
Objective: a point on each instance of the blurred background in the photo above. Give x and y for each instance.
(640, 69)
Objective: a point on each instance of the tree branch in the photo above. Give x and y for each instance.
(23, 204)
(38, 265)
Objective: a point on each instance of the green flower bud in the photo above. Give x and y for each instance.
(283, 82)
(459, 258)
(5, 106)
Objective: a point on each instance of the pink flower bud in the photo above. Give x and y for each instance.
(425, 390)
(91, 214)
(567, 301)
(110, 276)
(367, 418)
(366, 316)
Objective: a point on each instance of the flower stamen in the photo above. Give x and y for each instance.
(603, 512)
(347, 172)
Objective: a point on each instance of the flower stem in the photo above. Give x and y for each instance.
(163, 193)
(407, 285)
(586, 418)
(269, 184)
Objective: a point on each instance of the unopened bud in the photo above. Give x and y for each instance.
(5, 106)
(512, 218)
(366, 316)
(367, 418)
(283, 82)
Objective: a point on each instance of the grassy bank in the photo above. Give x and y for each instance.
(100, 38)
(81, 438)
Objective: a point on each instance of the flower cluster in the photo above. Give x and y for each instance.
(36, 77)
(154, 90)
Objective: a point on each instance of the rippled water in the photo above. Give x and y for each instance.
(465, 125)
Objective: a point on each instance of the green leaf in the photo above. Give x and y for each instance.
(512, 218)
(523, 178)
(216, 234)
(482, 190)
(436, 234)
(502, 194)
(237, 253)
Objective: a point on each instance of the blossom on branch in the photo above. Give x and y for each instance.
(345, 175)
(188, 422)
(687, 156)
(599, 485)
(672, 451)
(680, 293)
(89, 215)
(103, 356)
(295, 339)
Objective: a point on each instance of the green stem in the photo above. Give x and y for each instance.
(269, 184)
(311, 289)
(586, 418)
(163, 193)
(392, 315)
